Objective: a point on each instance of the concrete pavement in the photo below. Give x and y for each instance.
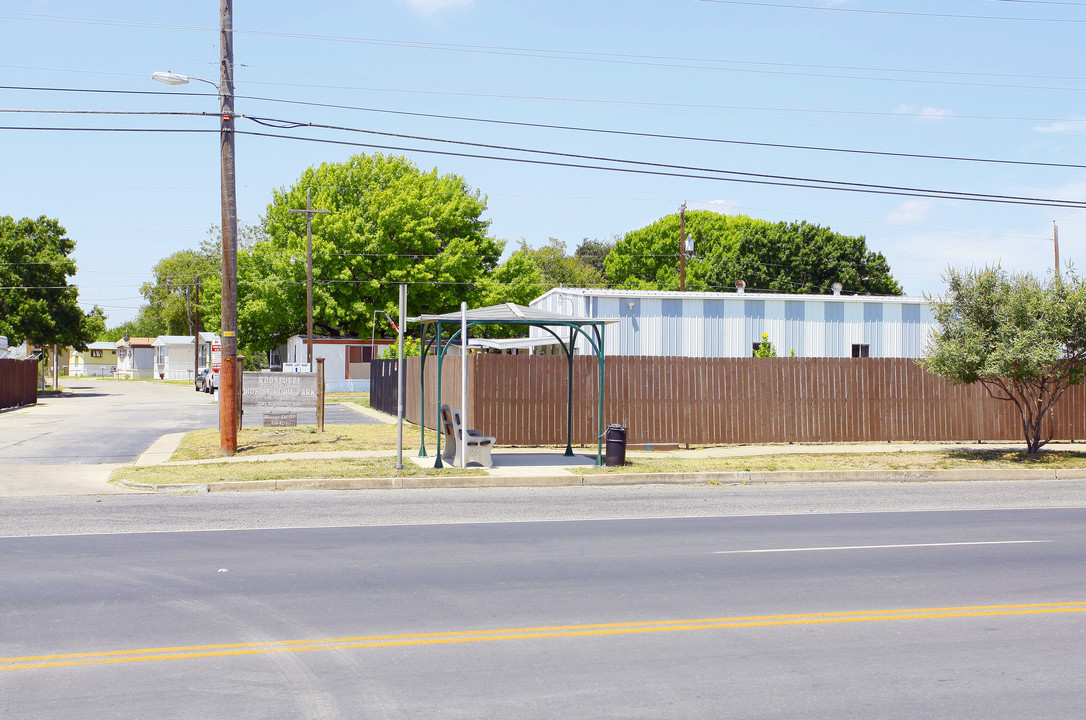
(524, 467)
(529, 467)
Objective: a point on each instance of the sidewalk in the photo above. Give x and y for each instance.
(524, 467)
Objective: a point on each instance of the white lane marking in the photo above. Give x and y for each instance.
(880, 547)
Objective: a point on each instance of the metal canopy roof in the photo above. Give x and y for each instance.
(510, 314)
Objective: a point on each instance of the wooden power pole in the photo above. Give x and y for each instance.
(309, 213)
(682, 248)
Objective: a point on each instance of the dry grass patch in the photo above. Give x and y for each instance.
(893, 460)
(205, 444)
(276, 470)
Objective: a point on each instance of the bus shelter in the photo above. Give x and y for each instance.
(440, 332)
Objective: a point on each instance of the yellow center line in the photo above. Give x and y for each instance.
(527, 633)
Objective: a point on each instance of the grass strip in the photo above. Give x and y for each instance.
(206, 444)
(891, 460)
(277, 470)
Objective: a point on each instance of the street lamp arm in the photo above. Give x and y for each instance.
(172, 78)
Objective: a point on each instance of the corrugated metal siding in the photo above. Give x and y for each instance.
(873, 328)
(794, 326)
(913, 330)
(754, 313)
(835, 335)
(671, 328)
(693, 328)
(629, 333)
(729, 325)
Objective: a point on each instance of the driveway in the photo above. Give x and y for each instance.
(70, 444)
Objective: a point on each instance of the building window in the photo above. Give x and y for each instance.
(354, 354)
(861, 351)
(96, 353)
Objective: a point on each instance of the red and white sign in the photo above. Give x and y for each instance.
(216, 355)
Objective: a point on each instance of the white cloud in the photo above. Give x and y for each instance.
(719, 206)
(429, 7)
(910, 211)
(924, 112)
(1061, 128)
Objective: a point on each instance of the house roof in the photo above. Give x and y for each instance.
(749, 295)
(135, 342)
(172, 340)
(101, 345)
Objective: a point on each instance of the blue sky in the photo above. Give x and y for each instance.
(985, 79)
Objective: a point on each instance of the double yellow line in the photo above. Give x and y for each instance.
(34, 662)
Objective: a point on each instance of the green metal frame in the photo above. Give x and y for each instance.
(595, 341)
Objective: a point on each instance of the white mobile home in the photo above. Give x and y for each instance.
(174, 357)
(346, 360)
(704, 324)
(135, 358)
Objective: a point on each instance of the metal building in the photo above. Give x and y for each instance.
(705, 324)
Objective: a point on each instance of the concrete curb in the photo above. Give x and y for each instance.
(604, 479)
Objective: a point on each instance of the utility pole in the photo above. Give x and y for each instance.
(196, 337)
(309, 213)
(1056, 243)
(228, 371)
(682, 248)
(188, 308)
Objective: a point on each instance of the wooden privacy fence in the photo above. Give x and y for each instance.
(521, 399)
(18, 382)
(383, 385)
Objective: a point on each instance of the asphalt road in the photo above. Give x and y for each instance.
(105, 421)
(965, 614)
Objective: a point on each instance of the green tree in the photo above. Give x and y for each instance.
(776, 257)
(411, 348)
(530, 272)
(171, 298)
(593, 253)
(390, 223)
(36, 301)
(1024, 340)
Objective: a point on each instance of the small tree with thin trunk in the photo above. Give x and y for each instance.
(1023, 339)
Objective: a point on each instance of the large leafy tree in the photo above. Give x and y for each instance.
(593, 252)
(1024, 340)
(171, 307)
(776, 257)
(528, 273)
(36, 301)
(389, 223)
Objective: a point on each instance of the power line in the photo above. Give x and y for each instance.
(644, 168)
(688, 138)
(749, 3)
(748, 178)
(506, 96)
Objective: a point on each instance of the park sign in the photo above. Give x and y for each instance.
(279, 391)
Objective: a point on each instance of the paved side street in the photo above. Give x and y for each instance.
(70, 445)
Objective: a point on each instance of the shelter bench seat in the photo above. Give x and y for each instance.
(470, 444)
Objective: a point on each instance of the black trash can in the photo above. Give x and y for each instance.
(615, 455)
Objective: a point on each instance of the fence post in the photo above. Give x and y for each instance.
(320, 394)
(239, 383)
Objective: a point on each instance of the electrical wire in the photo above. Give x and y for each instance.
(642, 168)
(864, 11)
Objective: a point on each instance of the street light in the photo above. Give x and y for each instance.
(228, 418)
